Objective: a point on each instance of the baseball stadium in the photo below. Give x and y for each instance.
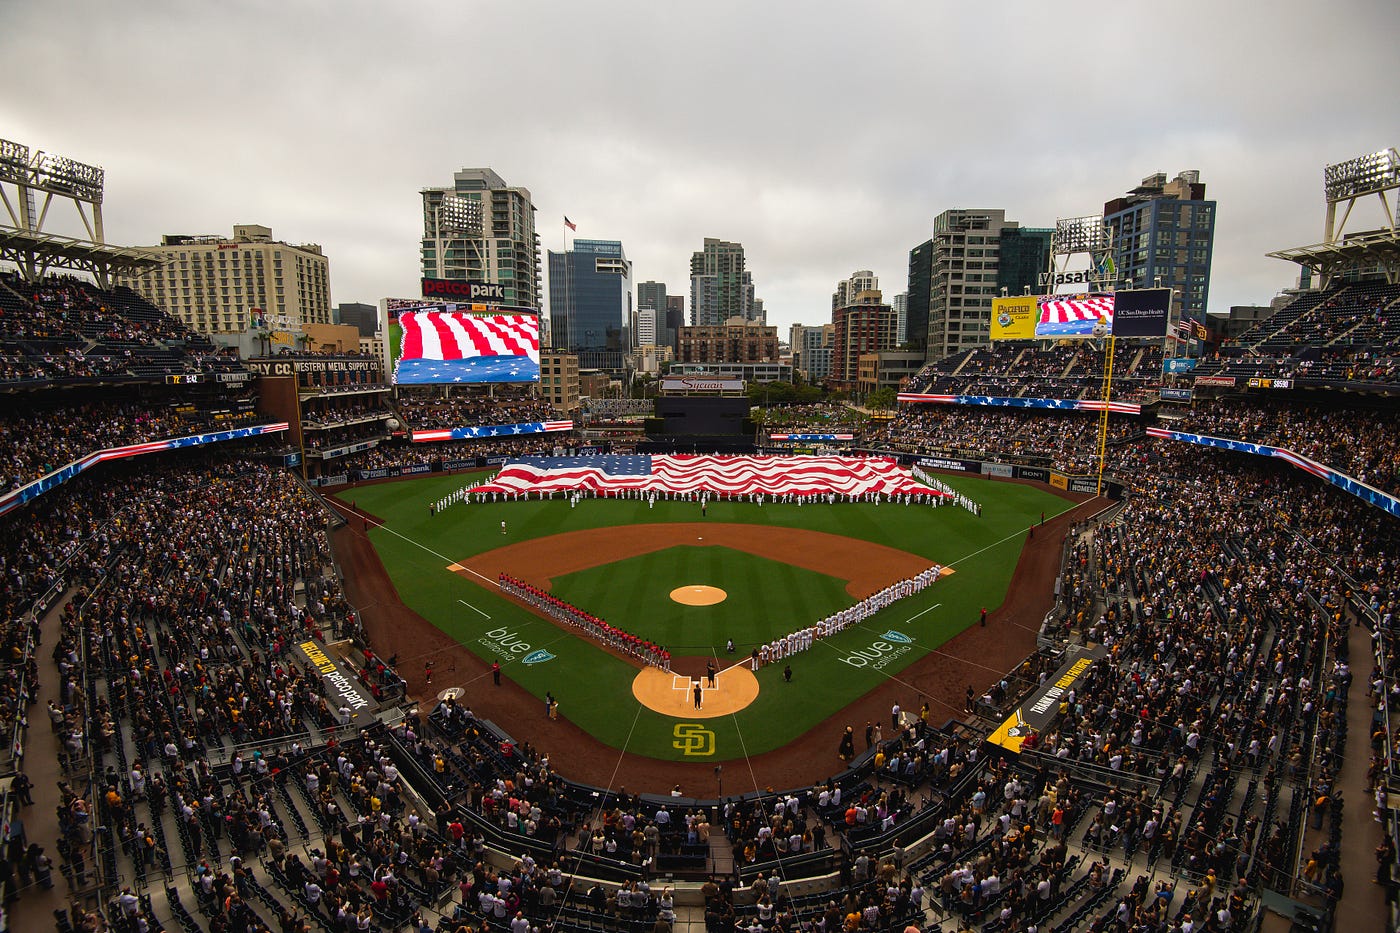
(1087, 626)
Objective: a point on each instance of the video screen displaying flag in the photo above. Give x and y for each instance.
(738, 475)
(441, 344)
(1074, 315)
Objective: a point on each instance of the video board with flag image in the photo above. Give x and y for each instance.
(1074, 315)
(441, 343)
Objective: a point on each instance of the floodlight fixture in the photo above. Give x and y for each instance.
(461, 216)
(60, 173)
(14, 161)
(1365, 174)
(1079, 235)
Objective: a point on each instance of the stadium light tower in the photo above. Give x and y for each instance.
(1074, 236)
(457, 218)
(52, 176)
(1350, 181)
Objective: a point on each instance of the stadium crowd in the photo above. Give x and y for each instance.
(1066, 440)
(425, 410)
(1357, 442)
(41, 439)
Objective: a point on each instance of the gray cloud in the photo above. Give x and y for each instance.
(823, 136)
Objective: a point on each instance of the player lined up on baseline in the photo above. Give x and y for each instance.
(802, 639)
(561, 611)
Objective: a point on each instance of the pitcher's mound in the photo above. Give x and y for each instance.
(674, 694)
(698, 595)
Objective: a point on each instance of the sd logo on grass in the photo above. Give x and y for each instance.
(538, 656)
(898, 637)
(693, 740)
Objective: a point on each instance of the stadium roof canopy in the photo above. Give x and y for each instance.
(36, 253)
(1372, 250)
(1346, 184)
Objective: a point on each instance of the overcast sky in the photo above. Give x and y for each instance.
(825, 137)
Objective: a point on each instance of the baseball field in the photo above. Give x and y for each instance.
(766, 571)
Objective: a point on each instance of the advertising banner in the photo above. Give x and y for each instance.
(700, 384)
(341, 685)
(1227, 382)
(1176, 395)
(961, 466)
(1038, 474)
(1059, 480)
(1040, 708)
(459, 464)
(1015, 318)
(463, 290)
(997, 469)
(1179, 364)
(1141, 312)
(1081, 484)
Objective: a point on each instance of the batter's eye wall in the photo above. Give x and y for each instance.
(701, 415)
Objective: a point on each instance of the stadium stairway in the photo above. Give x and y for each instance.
(35, 908)
(1362, 901)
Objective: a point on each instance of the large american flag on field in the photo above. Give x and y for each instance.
(736, 475)
(1073, 315)
(452, 346)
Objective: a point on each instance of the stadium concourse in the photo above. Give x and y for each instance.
(203, 738)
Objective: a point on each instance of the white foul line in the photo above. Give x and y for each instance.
(929, 609)
(471, 607)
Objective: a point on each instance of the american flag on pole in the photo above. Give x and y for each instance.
(452, 346)
(736, 475)
(1073, 315)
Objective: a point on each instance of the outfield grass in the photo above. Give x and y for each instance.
(593, 686)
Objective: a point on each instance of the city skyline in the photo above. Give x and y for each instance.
(331, 141)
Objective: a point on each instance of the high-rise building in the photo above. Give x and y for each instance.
(901, 318)
(811, 350)
(362, 316)
(920, 283)
(559, 379)
(847, 289)
(653, 295)
(735, 341)
(224, 285)
(675, 319)
(483, 230)
(757, 313)
(645, 333)
(1025, 256)
(953, 278)
(720, 287)
(1163, 233)
(590, 303)
(864, 326)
